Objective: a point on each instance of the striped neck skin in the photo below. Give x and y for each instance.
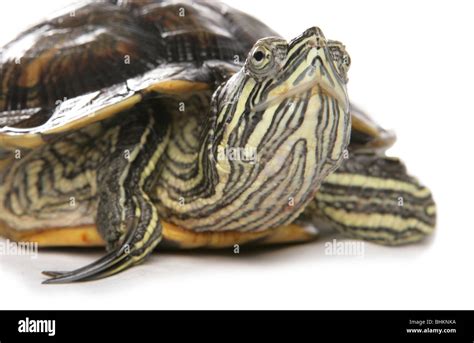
(277, 128)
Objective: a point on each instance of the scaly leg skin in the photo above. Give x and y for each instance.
(126, 218)
(371, 197)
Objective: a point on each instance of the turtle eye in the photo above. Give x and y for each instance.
(260, 57)
(266, 58)
(340, 57)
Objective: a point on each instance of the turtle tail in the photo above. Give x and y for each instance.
(372, 197)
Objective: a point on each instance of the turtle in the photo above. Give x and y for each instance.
(153, 124)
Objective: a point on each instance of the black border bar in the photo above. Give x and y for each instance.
(135, 326)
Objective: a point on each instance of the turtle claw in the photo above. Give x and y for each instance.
(52, 273)
(134, 250)
(111, 263)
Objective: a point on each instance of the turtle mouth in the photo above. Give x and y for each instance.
(318, 86)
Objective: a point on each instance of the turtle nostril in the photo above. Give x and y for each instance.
(316, 42)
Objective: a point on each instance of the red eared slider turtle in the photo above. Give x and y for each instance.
(151, 123)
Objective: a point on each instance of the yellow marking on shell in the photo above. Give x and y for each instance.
(177, 87)
(96, 116)
(374, 220)
(14, 140)
(355, 180)
(31, 74)
(187, 239)
(361, 124)
(28, 140)
(88, 236)
(82, 236)
(380, 138)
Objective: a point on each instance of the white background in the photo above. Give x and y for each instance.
(412, 69)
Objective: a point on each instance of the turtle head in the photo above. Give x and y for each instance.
(287, 111)
(289, 69)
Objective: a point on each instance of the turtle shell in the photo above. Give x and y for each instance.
(95, 60)
(367, 135)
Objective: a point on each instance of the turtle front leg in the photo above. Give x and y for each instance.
(127, 219)
(372, 197)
